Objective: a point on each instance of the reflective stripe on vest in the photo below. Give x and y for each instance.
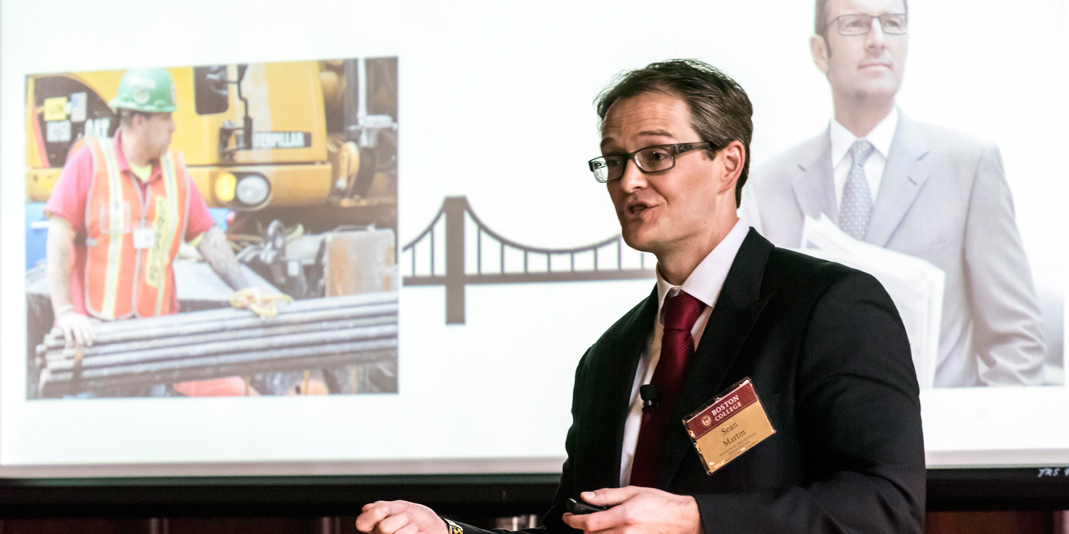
(120, 280)
(118, 221)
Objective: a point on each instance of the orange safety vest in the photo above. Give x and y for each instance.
(131, 241)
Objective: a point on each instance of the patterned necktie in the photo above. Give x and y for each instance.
(677, 347)
(857, 198)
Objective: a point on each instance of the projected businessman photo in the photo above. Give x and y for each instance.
(919, 189)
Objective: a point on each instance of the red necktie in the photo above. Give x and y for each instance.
(677, 347)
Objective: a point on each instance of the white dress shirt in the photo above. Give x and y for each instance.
(841, 141)
(703, 284)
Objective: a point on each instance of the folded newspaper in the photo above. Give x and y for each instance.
(915, 286)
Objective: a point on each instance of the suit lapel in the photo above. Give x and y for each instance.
(610, 405)
(737, 308)
(903, 177)
(814, 187)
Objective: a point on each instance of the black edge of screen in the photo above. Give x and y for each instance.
(486, 495)
(496, 494)
(1024, 488)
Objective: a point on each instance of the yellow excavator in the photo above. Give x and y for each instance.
(290, 152)
(255, 137)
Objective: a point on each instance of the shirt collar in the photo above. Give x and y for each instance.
(707, 279)
(881, 137)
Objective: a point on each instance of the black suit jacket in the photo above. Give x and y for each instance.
(828, 356)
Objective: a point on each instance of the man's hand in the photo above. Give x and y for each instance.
(253, 298)
(77, 328)
(399, 517)
(246, 298)
(638, 510)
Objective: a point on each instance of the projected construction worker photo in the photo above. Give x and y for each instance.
(218, 230)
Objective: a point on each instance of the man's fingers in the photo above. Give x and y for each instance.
(595, 522)
(612, 518)
(378, 510)
(393, 523)
(609, 496)
(399, 517)
(605, 521)
(81, 333)
(90, 329)
(364, 523)
(86, 331)
(77, 330)
(373, 514)
(575, 521)
(68, 335)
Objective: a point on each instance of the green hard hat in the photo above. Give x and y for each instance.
(149, 90)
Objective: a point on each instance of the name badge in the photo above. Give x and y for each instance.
(730, 426)
(144, 238)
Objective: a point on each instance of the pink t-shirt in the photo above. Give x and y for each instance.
(69, 198)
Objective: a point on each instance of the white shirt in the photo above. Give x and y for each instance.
(842, 139)
(703, 284)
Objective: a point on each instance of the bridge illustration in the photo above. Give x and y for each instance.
(488, 258)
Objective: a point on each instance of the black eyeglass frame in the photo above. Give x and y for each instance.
(675, 150)
(883, 24)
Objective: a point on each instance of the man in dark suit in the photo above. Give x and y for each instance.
(823, 346)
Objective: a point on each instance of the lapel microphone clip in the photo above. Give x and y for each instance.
(650, 401)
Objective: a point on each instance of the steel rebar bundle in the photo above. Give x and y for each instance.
(306, 334)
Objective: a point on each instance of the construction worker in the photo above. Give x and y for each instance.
(120, 211)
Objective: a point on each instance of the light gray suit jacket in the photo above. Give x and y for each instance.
(943, 198)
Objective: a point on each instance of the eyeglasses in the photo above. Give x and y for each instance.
(857, 24)
(651, 159)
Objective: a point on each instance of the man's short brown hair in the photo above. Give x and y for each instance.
(720, 110)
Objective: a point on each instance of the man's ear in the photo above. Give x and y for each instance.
(818, 46)
(733, 158)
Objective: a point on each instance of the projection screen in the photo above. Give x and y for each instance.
(475, 218)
